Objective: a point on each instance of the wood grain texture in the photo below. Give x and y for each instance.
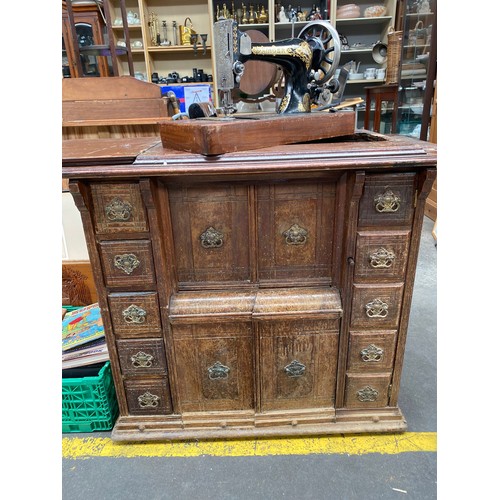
(219, 136)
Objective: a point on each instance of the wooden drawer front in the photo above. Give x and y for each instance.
(376, 307)
(371, 352)
(210, 230)
(214, 366)
(295, 231)
(367, 391)
(128, 263)
(150, 396)
(135, 315)
(297, 363)
(142, 357)
(381, 255)
(387, 200)
(118, 208)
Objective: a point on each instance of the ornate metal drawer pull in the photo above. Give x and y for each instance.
(142, 360)
(218, 371)
(377, 309)
(148, 400)
(295, 235)
(295, 369)
(126, 262)
(368, 394)
(387, 202)
(118, 210)
(372, 353)
(134, 314)
(211, 238)
(382, 258)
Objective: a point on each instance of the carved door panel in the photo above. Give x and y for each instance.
(210, 230)
(297, 363)
(295, 231)
(214, 365)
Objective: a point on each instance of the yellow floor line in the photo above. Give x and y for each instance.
(90, 447)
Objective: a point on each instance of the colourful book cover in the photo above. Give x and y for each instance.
(81, 326)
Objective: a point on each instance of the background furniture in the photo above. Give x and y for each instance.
(265, 293)
(379, 94)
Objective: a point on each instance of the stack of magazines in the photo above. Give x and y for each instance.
(83, 337)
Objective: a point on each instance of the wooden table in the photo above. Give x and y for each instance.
(258, 293)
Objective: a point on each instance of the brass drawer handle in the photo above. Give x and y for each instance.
(134, 314)
(142, 360)
(126, 262)
(377, 309)
(148, 400)
(211, 238)
(387, 202)
(372, 353)
(295, 235)
(367, 394)
(218, 371)
(118, 210)
(295, 369)
(382, 258)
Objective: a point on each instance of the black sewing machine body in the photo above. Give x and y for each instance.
(308, 62)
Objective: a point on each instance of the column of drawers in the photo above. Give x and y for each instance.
(123, 235)
(382, 247)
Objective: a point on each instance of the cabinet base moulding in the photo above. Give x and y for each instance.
(220, 426)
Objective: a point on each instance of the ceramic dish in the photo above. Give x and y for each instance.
(375, 11)
(355, 76)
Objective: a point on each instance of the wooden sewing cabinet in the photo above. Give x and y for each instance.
(259, 293)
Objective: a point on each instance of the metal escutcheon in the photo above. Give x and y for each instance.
(387, 202)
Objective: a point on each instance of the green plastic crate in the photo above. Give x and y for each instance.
(89, 403)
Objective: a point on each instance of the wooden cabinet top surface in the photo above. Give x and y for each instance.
(145, 156)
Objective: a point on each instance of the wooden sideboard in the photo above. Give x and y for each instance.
(259, 293)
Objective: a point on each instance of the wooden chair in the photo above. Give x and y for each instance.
(380, 93)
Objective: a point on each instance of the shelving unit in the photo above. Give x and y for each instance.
(418, 68)
(361, 32)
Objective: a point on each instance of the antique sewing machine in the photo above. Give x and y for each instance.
(308, 63)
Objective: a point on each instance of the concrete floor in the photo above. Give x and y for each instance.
(334, 476)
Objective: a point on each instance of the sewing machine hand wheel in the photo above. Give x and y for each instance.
(321, 34)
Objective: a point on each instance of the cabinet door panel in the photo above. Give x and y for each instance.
(118, 208)
(135, 315)
(387, 200)
(214, 365)
(210, 231)
(128, 263)
(376, 307)
(298, 363)
(149, 396)
(295, 231)
(381, 255)
(367, 391)
(371, 352)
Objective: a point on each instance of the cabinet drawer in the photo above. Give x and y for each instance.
(149, 396)
(214, 365)
(298, 363)
(367, 391)
(135, 315)
(387, 200)
(211, 233)
(376, 307)
(118, 208)
(142, 357)
(371, 352)
(295, 231)
(381, 255)
(128, 263)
